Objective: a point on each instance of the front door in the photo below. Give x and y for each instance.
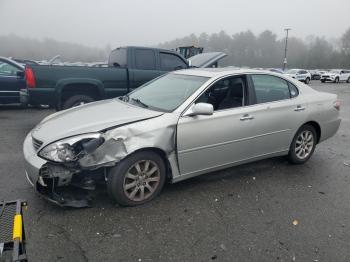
(206, 142)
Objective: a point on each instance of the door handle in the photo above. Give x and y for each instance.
(299, 108)
(246, 117)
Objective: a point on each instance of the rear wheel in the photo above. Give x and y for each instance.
(137, 179)
(303, 145)
(77, 100)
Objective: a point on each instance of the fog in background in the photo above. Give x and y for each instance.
(86, 30)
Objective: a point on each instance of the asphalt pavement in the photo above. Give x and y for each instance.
(264, 211)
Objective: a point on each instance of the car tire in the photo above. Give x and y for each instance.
(303, 145)
(77, 100)
(336, 80)
(348, 81)
(131, 183)
(323, 81)
(307, 80)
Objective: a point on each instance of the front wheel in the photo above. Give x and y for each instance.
(77, 100)
(336, 80)
(137, 179)
(303, 145)
(307, 80)
(348, 81)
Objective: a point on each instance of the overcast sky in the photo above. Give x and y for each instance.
(147, 22)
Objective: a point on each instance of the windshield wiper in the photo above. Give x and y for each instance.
(139, 102)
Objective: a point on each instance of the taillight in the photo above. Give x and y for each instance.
(30, 78)
(336, 105)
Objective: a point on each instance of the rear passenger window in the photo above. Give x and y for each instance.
(169, 62)
(145, 59)
(270, 88)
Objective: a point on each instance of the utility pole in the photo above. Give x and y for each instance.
(285, 49)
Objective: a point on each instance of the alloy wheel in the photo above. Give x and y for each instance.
(141, 180)
(304, 144)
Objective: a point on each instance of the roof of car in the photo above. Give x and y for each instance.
(218, 72)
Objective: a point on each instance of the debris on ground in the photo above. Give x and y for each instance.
(346, 164)
(295, 222)
(223, 247)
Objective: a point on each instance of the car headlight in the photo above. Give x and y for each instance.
(72, 149)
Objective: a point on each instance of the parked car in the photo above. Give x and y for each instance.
(180, 125)
(63, 87)
(276, 70)
(336, 76)
(11, 81)
(299, 74)
(315, 74)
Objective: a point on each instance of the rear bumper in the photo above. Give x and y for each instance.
(329, 129)
(38, 96)
(23, 96)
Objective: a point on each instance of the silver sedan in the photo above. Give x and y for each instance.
(180, 125)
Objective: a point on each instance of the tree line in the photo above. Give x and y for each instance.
(243, 49)
(27, 48)
(266, 50)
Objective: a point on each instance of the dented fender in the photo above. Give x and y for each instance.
(158, 133)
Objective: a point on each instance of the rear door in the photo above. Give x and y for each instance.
(278, 111)
(10, 82)
(145, 67)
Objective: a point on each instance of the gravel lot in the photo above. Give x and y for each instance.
(264, 211)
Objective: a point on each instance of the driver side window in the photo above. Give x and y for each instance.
(224, 94)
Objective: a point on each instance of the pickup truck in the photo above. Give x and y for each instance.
(129, 67)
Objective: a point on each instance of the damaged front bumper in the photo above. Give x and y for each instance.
(59, 184)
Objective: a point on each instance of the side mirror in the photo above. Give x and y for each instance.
(20, 74)
(200, 109)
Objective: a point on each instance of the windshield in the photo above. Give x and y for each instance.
(167, 92)
(292, 71)
(335, 71)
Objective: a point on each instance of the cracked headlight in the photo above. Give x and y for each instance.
(71, 149)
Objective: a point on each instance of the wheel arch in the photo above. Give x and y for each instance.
(317, 127)
(162, 154)
(68, 87)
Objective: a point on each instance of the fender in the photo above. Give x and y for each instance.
(61, 84)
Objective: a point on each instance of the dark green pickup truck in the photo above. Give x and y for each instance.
(63, 87)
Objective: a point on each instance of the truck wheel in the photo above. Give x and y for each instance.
(77, 100)
(303, 145)
(137, 179)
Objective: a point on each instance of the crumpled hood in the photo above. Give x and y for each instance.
(88, 118)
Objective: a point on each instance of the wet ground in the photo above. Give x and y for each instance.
(264, 211)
